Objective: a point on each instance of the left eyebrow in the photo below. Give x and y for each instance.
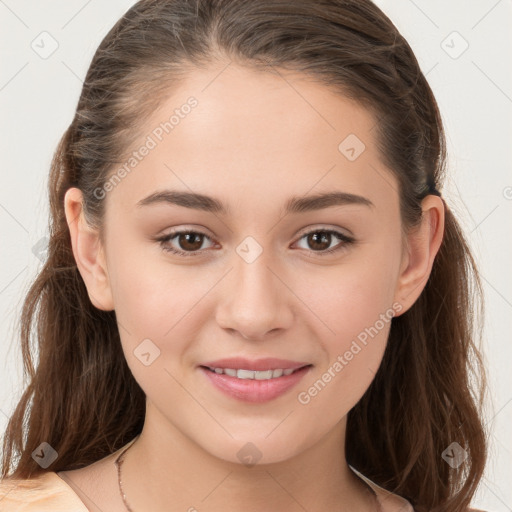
(296, 204)
(301, 204)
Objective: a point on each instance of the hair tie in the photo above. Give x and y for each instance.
(433, 190)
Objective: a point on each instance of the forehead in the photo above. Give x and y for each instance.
(256, 134)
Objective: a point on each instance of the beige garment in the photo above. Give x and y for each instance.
(387, 500)
(46, 492)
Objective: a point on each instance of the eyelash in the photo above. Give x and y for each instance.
(167, 238)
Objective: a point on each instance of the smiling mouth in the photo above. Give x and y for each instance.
(255, 386)
(244, 374)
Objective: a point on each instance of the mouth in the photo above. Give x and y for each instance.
(254, 386)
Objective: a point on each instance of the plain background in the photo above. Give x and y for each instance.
(462, 46)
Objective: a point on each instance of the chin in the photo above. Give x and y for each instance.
(256, 450)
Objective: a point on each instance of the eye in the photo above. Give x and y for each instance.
(320, 241)
(190, 243)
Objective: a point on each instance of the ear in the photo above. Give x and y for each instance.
(88, 252)
(422, 245)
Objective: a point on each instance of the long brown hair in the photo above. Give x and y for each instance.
(81, 397)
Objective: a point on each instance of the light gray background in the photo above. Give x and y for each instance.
(474, 89)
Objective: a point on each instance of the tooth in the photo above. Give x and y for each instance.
(245, 374)
(263, 375)
(253, 374)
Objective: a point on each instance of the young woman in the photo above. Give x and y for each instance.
(255, 295)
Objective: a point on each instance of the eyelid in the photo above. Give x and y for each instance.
(336, 229)
(188, 228)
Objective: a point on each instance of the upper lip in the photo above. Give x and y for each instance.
(267, 363)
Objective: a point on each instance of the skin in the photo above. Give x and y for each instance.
(254, 140)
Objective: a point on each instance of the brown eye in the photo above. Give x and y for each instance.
(190, 241)
(321, 240)
(184, 243)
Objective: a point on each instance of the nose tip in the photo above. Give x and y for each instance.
(256, 337)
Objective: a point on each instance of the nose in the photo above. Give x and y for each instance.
(255, 301)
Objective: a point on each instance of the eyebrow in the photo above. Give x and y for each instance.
(296, 204)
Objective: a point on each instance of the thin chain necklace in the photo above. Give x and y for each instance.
(119, 461)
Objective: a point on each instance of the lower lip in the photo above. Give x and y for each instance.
(252, 390)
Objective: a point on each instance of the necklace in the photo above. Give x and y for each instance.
(119, 461)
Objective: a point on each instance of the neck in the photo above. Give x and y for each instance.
(164, 470)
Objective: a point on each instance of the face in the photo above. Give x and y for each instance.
(315, 284)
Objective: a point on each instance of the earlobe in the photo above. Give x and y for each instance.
(88, 252)
(423, 243)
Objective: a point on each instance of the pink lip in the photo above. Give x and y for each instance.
(267, 363)
(251, 390)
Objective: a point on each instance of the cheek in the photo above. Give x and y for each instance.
(149, 292)
(157, 315)
(155, 301)
(355, 303)
(351, 296)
